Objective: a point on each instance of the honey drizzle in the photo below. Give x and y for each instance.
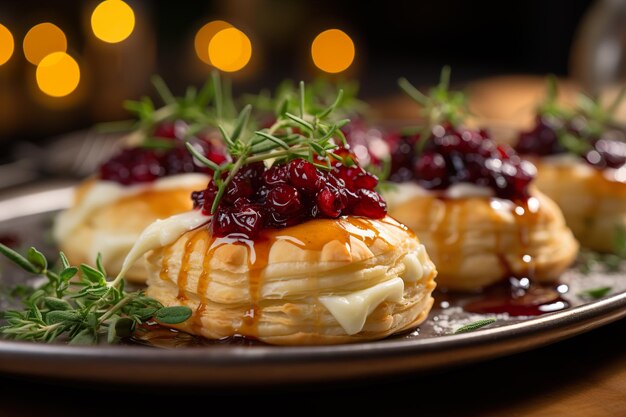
(311, 235)
(202, 285)
(448, 231)
(165, 260)
(183, 273)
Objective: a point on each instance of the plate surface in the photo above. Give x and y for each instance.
(26, 219)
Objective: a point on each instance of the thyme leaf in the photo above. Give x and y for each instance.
(475, 325)
(79, 305)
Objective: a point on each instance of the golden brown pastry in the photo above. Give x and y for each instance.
(593, 201)
(325, 281)
(107, 218)
(477, 241)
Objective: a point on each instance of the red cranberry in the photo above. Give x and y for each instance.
(303, 174)
(132, 166)
(253, 173)
(177, 161)
(542, 140)
(284, 199)
(329, 202)
(278, 174)
(370, 204)
(166, 130)
(430, 169)
(238, 187)
(246, 220)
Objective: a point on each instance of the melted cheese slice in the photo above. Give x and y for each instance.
(352, 310)
(162, 233)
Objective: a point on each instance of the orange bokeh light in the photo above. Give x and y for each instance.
(204, 36)
(230, 50)
(42, 40)
(332, 51)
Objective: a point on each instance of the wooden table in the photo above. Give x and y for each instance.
(583, 376)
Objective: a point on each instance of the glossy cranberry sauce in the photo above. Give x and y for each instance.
(146, 164)
(290, 193)
(456, 155)
(606, 151)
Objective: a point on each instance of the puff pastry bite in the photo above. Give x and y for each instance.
(150, 178)
(472, 203)
(580, 156)
(292, 255)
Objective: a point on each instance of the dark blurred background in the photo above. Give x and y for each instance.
(392, 38)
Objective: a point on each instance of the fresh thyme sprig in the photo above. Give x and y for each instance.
(590, 118)
(475, 325)
(201, 109)
(595, 293)
(440, 105)
(79, 305)
(320, 94)
(307, 136)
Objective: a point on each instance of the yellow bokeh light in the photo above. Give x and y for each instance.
(204, 36)
(112, 21)
(332, 51)
(230, 50)
(42, 40)
(7, 44)
(58, 74)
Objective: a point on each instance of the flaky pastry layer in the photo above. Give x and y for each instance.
(594, 206)
(277, 289)
(479, 241)
(114, 228)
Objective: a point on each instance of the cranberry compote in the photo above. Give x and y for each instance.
(605, 151)
(289, 193)
(454, 155)
(146, 164)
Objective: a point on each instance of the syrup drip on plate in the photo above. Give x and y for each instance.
(518, 297)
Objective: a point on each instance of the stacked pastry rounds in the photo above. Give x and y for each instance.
(477, 241)
(324, 281)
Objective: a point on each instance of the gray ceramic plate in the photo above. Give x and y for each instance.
(434, 345)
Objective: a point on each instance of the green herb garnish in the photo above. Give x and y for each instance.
(319, 96)
(79, 305)
(200, 109)
(590, 118)
(595, 293)
(307, 136)
(439, 106)
(475, 325)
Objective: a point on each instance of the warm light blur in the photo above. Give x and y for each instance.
(6, 44)
(42, 40)
(204, 36)
(332, 51)
(112, 21)
(230, 50)
(58, 74)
